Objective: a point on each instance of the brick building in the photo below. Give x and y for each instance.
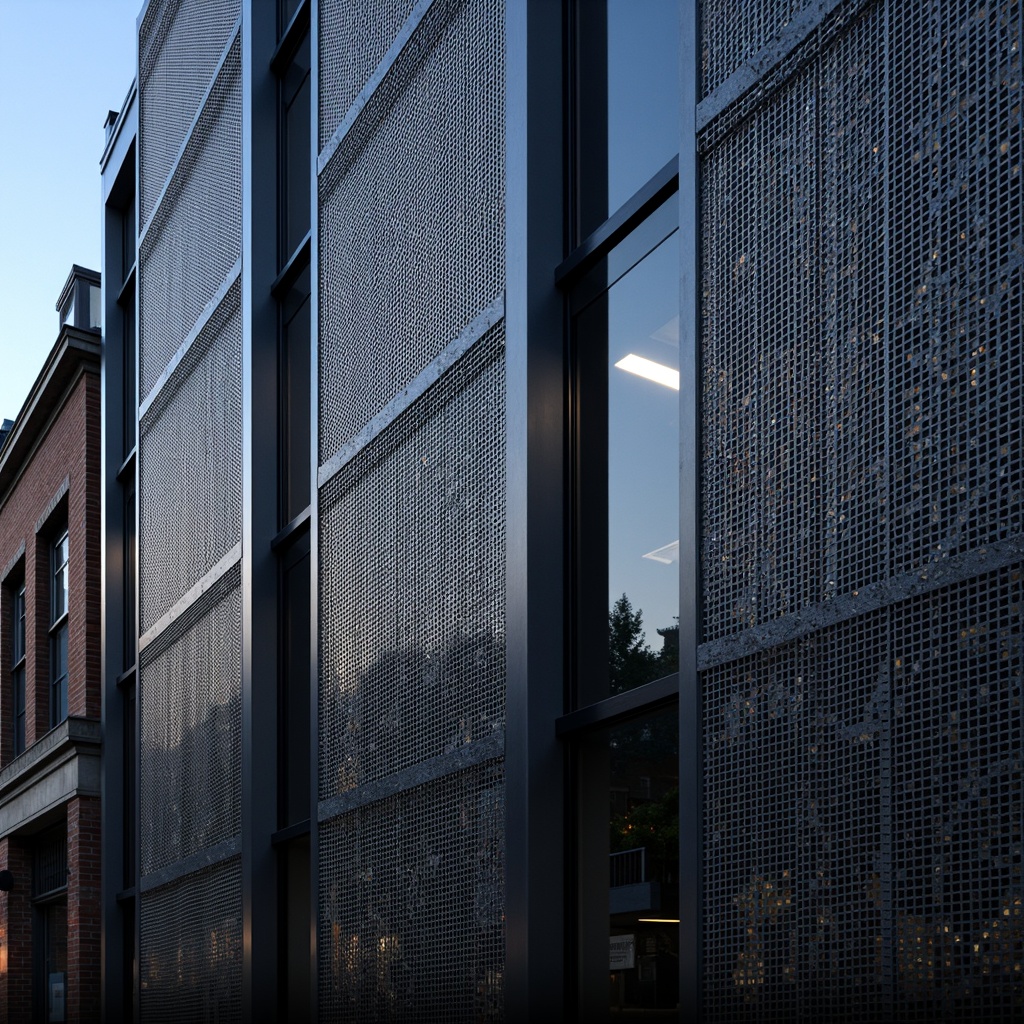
(49, 678)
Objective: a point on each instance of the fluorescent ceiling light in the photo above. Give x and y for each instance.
(666, 555)
(657, 372)
(659, 920)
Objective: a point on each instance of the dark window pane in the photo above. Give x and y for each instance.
(629, 870)
(59, 671)
(60, 577)
(295, 411)
(295, 925)
(286, 11)
(294, 685)
(19, 709)
(628, 104)
(128, 328)
(295, 90)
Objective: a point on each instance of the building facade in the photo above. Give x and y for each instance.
(50, 679)
(572, 453)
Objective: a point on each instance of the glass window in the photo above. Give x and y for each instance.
(95, 307)
(67, 315)
(627, 355)
(18, 668)
(295, 150)
(294, 686)
(629, 870)
(294, 398)
(628, 100)
(59, 633)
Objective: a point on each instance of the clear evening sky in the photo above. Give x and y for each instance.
(63, 65)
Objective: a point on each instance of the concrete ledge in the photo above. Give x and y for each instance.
(63, 764)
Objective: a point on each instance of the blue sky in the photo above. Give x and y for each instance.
(63, 65)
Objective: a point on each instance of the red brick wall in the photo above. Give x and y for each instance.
(70, 449)
(83, 909)
(16, 933)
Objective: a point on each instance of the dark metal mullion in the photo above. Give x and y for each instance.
(294, 266)
(292, 531)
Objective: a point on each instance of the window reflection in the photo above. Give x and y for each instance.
(628, 500)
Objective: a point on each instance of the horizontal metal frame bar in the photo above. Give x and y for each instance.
(620, 707)
(876, 596)
(200, 114)
(297, 262)
(290, 40)
(477, 328)
(391, 59)
(291, 532)
(164, 387)
(637, 209)
(187, 609)
(127, 468)
(472, 754)
(290, 832)
(223, 851)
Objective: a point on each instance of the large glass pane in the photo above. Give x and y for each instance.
(628, 103)
(295, 410)
(629, 871)
(295, 669)
(60, 577)
(627, 353)
(296, 150)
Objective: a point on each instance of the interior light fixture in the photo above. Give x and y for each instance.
(649, 369)
(659, 920)
(666, 555)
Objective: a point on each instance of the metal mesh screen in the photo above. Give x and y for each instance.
(412, 225)
(732, 32)
(958, 801)
(191, 948)
(794, 851)
(796, 493)
(190, 467)
(196, 235)
(411, 904)
(180, 43)
(957, 279)
(862, 257)
(353, 40)
(191, 742)
(412, 583)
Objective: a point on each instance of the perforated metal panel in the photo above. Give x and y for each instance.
(412, 583)
(412, 224)
(733, 32)
(862, 343)
(794, 854)
(191, 948)
(957, 279)
(191, 741)
(354, 37)
(180, 43)
(958, 801)
(196, 235)
(190, 467)
(411, 905)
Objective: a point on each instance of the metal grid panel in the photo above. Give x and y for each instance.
(191, 948)
(191, 740)
(957, 279)
(180, 43)
(795, 428)
(794, 855)
(196, 236)
(354, 36)
(412, 906)
(190, 468)
(412, 225)
(412, 571)
(958, 801)
(762, 494)
(732, 32)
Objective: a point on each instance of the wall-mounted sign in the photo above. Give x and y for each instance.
(622, 950)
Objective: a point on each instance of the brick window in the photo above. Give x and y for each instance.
(59, 630)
